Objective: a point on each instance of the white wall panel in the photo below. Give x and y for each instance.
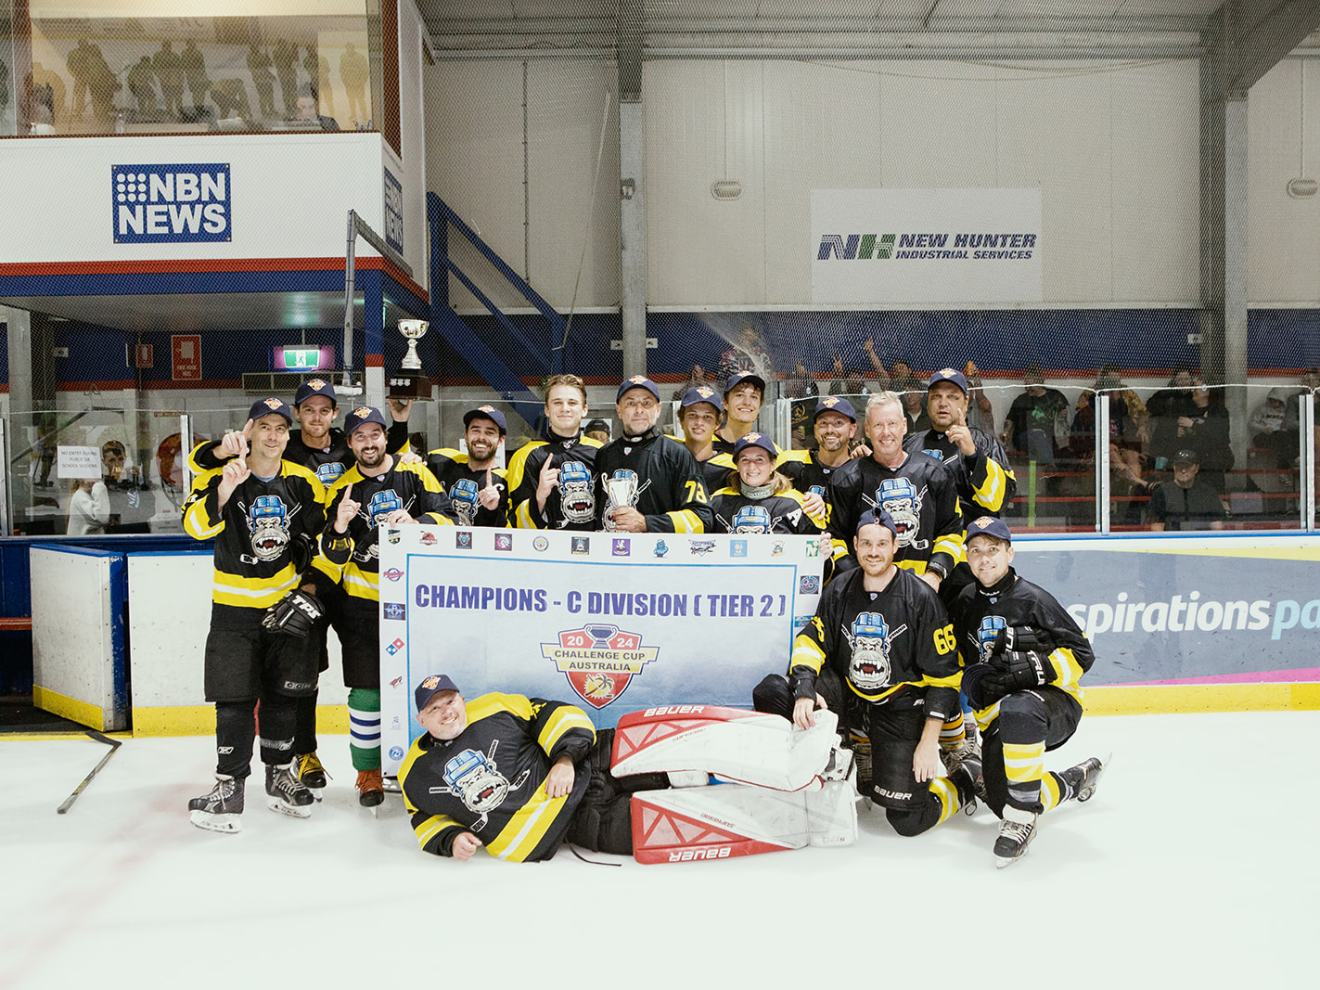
(1055, 135)
(1156, 175)
(412, 140)
(1283, 261)
(703, 124)
(566, 103)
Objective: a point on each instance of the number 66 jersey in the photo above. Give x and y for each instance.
(894, 647)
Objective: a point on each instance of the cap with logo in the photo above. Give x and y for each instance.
(755, 440)
(950, 375)
(361, 416)
(1187, 456)
(270, 406)
(637, 381)
(486, 412)
(743, 377)
(989, 526)
(876, 517)
(834, 404)
(699, 394)
(431, 686)
(315, 386)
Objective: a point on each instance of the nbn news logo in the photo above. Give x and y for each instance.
(171, 204)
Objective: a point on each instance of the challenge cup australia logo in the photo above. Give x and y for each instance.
(899, 497)
(987, 633)
(463, 497)
(869, 667)
(475, 779)
(751, 519)
(268, 527)
(599, 660)
(577, 501)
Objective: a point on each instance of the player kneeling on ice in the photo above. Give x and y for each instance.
(880, 653)
(1029, 656)
(519, 776)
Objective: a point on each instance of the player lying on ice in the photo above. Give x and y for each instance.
(519, 776)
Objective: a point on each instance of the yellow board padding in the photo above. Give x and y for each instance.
(82, 712)
(199, 720)
(1171, 699)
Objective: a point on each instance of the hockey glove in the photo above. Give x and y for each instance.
(302, 550)
(984, 685)
(1015, 639)
(293, 615)
(1022, 669)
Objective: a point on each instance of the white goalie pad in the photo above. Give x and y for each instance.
(732, 743)
(729, 820)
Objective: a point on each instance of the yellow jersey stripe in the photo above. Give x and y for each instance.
(1068, 672)
(565, 718)
(807, 653)
(432, 827)
(198, 524)
(947, 795)
(518, 839)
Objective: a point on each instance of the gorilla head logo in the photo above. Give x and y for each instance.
(869, 667)
(751, 519)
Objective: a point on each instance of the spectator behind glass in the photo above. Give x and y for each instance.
(1164, 407)
(89, 507)
(1205, 432)
(306, 110)
(1187, 502)
(747, 353)
(980, 412)
(1036, 427)
(1128, 422)
(696, 377)
(802, 389)
(1309, 382)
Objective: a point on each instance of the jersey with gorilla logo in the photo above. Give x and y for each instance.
(264, 536)
(490, 780)
(893, 647)
(571, 503)
(738, 513)
(462, 482)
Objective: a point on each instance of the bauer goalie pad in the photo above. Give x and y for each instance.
(699, 823)
(735, 744)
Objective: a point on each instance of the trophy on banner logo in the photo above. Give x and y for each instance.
(409, 382)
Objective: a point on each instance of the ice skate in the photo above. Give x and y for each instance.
(285, 794)
(1083, 779)
(219, 810)
(370, 788)
(967, 756)
(311, 774)
(1015, 833)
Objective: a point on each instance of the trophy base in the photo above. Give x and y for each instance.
(403, 385)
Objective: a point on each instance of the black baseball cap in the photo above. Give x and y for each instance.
(315, 386)
(755, 440)
(431, 686)
(744, 376)
(876, 517)
(834, 404)
(596, 426)
(1187, 456)
(269, 406)
(360, 417)
(486, 412)
(637, 381)
(950, 375)
(989, 526)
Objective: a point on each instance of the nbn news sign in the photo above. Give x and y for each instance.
(171, 204)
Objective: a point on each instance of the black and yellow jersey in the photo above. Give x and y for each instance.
(979, 613)
(327, 463)
(715, 469)
(806, 472)
(984, 480)
(893, 647)
(571, 504)
(355, 555)
(462, 482)
(659, 477)
(261, 531)
(490, 780)
(736, 512)
(920, 496)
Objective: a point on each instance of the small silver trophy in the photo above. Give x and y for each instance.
(413, 331)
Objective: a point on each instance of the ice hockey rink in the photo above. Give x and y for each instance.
(1193, 865)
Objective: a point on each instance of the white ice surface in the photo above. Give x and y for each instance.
(1195, 865)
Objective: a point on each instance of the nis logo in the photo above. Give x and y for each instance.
(171, 204)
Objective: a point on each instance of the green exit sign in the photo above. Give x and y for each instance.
(295, 357)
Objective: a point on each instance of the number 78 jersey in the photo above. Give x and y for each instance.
(894, 647)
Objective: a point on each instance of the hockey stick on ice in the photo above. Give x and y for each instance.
(114, 745)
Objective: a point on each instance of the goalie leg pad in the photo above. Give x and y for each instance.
(702, 823)
(738, 745)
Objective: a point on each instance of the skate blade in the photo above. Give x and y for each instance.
(392, 786)
(290, 810)
(225, 824)
(1002, 861)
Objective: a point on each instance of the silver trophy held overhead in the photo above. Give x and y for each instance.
(409, 382)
